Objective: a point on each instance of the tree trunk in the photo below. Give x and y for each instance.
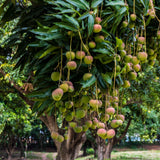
(108, 149)
(101, 147)
(9, 157)
(22, 154)
(68, 149)
(71, 152)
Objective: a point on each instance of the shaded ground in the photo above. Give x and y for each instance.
(147, 152)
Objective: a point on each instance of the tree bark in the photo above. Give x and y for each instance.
(108, 149)
(68, 149)
(9, 157)
(22, 154)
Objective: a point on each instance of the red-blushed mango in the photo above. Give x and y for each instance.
(57, 94)
(97, 28)
(88, 59)
(80, 54)
(72, 65)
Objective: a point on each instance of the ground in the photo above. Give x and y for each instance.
(147, 152)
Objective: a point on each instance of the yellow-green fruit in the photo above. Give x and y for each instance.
(152, 62)
(153, 57)
(132, 75)
(80, 113)
(55, 76)
(78, 129)
(88, 123)
(64, 87)
(60, 138)
(80, 54)
(70, 33)
(128, 67)
(94, 103)
(104, 118)
(100, 125)
(124, 24)
(158, 34)
(70, 55)
(142, 56)
(62, 109)
(72, 65)
(65, 136)
(120, 117)
(73, 124)
(57, 94)
(133, 17)
(95, 121)
(69, 104)
(118, 57)
(98, 20)
(126, 84)
(97, 28)
(122, 53)
(92, 44)
(88, 59)
(87, 76)
(59, 104)
(85, 128)
(121, 47)
(119, 122)
(110, 133)
(102, 133)
(141, 40)
(70, 89)
(114, 124)
(128, 58)
(69, 117)
(115, 104)
(137, 67)
(93, 126)
(99, 39)
(131, 25)
(85, 100)
(118, 68)
(54, 135)
(151, 52)
(135, 60)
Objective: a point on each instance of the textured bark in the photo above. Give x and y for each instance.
(101, 147)
(108, 149)
(22, 154)
(9, 157)
(68, 149)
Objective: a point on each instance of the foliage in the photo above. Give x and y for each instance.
(49, 33)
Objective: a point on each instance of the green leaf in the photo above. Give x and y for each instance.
(88, 83)
(66, 26)
(49, 50)
(72, 21)
(102, 50)
(50, 36)
(90, 24)
(116, 3)
(119, 42)
(95, 3)
(77, 4)
(107, 78)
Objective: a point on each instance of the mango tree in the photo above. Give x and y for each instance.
(77, 54)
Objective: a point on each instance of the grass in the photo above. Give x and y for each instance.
(50, 156)
(130, 155)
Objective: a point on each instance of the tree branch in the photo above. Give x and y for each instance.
(125, 132)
